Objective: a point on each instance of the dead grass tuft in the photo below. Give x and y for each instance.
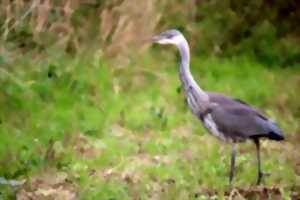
(48, 186)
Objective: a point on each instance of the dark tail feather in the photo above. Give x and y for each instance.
(275, 133)
(275, 136)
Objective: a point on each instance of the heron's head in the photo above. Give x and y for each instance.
(169, 37)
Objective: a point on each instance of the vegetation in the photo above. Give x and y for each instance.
(89, 111)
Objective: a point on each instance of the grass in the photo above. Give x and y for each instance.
(90, 128)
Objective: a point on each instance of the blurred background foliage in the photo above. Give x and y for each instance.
(264, 29)
(85, 103)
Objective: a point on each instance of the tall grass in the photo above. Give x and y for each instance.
(103, 131)
(72, 25)
(89, 111)
(266, 31)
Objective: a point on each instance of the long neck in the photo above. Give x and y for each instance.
(192, 89)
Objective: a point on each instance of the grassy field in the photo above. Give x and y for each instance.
(90, 128)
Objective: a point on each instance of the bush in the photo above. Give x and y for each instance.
(266, 30)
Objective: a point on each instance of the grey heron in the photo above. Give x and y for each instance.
(228, 119)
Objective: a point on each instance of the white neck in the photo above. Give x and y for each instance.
(185, 75)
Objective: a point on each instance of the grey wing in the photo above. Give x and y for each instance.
(227, 101)
(237, 119)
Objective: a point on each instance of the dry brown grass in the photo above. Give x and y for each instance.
(119, 25)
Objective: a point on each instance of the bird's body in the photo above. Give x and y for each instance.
(236, 121)
(226, 118)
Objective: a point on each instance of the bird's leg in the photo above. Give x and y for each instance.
(260, 174)
(259, 170)
(232, 164)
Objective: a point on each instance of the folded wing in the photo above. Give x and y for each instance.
(236, 119)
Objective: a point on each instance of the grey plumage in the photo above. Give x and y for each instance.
(226, 118)
(239, 121)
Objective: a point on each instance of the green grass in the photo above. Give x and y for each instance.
(103, 130)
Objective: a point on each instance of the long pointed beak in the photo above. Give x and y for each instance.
(150, 39)
(155, 38)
